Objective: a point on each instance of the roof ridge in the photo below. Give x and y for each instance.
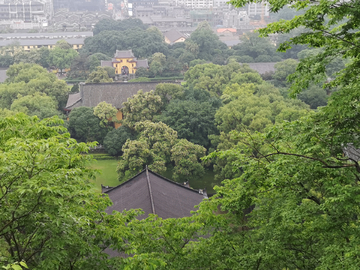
(160, 176)
(149, 186)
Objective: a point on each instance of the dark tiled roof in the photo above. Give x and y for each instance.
(351, 152)
(91, 94)
(40, 42)
(124, 54)
(72, 100)
(2, 75)
(263, 68)
(142, 63)
(231, 43)
(47, 35)
(173, 35)
(106, 63)
(113, 93)
(154, 194)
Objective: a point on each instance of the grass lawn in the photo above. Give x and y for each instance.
(108, 176)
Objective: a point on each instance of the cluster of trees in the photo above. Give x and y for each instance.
(60, 57)
(291, 195)
(31, 89)
(200, 115)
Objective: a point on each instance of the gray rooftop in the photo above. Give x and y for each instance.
(2, 75)
(263, 68)
(91, 94)
(142, 63)
(124, 54)
(73, 99)
(154, 194)
(39, 42)
(173, 35)
(46, 35)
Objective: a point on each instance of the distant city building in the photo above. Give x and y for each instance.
(235, 18)
(20, 13)
(254, 9)
(81, 20)
(195, 4)
(125, 63)
(30, 41)
(79, 5)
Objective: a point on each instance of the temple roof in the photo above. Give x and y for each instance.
(173, 35)
(124, 54)
(154, 194)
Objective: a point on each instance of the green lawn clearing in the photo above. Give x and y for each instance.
(108, 175)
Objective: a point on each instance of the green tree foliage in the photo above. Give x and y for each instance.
(327, 28)
(38, 104)
(213, 78)
(84, 126)
(62, 55)
(109, 25)
(106, 113)
(192, 120)
(169, 91)
(99, 76)
(283, 70)
(315, 96)
(94, 60)
(152, 147)
(27, 79)
(260, 49)
(116, 138)
(141, 107)
(79, 67)
(205, 44)
(186, 157)
(49, 215)
(143, 43)
(252, 110)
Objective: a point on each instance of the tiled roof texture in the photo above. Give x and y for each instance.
(142, 63)
(173, 35)
(262, 68)
(113, 93)
(154, 194)
(124, 54)
(73, 99)
(104, 63)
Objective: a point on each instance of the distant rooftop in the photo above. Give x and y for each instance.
(124, 54)
(39, 42)
(59, 35)
(263, 67)
(154, 194)
(173, 35)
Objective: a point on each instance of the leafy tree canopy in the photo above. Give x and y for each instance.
(27, 79)
(84, 126)
(37, 104)
(141, 107)
(62, 55)
(99, 76)
(50, 217)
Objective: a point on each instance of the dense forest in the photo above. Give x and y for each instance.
(285, 145)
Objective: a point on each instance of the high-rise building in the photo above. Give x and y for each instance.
(26, 10)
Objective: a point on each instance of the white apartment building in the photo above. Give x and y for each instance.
(195, 4)
(257, 9)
